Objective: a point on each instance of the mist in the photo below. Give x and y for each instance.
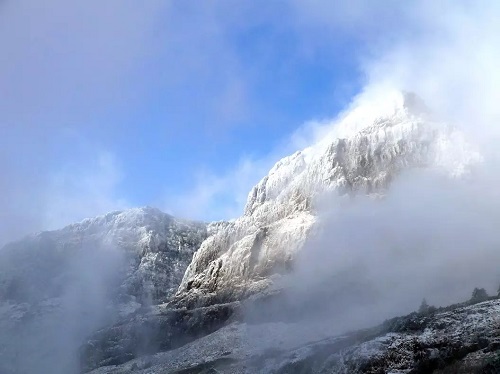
(52, 303)
(451, 63)
(429, 237)
(432, 235)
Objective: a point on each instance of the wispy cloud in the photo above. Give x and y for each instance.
(86, 67)
(218, 196)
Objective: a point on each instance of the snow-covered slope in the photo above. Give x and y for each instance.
(363, 152)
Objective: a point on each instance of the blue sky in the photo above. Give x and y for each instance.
(175, 104)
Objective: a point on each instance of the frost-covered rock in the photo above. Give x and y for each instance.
(58, 287)
(461, 339)
(464, 339)
(363, 153)
(151, 247)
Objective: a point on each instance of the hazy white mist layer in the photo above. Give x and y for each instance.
(56, 305)
(431, 236)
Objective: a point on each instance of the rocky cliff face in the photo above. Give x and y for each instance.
(363, 153)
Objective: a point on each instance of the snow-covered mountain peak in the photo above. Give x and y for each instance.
(387, 107)
(362, 152)
(363, 149)
(154, 247)
(142, 216)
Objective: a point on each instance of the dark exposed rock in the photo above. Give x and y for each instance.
(478, 295)
(159, 330)
(463, 339)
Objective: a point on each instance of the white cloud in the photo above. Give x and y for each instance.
(447, 51)
(218, 196)
(452, 64)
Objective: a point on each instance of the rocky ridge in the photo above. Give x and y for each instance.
(153, 247)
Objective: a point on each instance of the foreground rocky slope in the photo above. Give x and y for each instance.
(459, 339)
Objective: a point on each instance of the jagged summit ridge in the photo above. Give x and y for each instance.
(363, 149)
(154, 247)
(361, 153)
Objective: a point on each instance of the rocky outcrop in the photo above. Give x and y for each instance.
(463, 340)
(363, 153)
(161, 329)
(459, 339)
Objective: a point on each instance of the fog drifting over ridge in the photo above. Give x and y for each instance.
(443, 231)
(431, 236)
